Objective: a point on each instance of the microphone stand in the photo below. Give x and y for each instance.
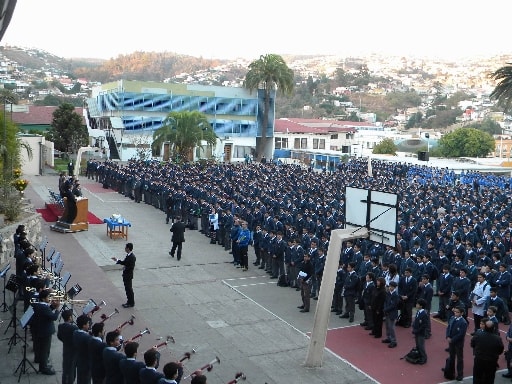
(22, 366)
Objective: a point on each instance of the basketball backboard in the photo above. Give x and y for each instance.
(374, 210)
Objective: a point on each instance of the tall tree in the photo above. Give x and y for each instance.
(503, 90)
(385, 147)
(466, 142)
(269, 73)
(67, 130)
(9, 132)
(185, 131)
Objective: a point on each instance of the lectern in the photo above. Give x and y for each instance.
(67, 224)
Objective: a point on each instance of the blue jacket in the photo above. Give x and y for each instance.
(456, 329)
(391, 305)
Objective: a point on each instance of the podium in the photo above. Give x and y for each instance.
(79, 222)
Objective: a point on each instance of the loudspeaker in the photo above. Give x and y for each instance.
(423, 156)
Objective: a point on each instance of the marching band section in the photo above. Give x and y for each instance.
(39, 294)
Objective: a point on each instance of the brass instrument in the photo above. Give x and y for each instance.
(30, 289)
(131, 321)
(140, 334)
(208, 367)
(106, 317)
(169, 339)
(187, 355)
(238, 376)
(77, 302)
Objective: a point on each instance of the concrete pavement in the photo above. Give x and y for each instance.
(202, 301)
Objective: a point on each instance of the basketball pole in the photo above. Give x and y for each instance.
(316, 347)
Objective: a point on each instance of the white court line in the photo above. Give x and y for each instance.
(253, 284)
(107, 201)
(297, 330)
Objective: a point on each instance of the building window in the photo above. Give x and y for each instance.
(303, 143)
(318, 143)
(334, 137)
(240, 151)
(281, 143)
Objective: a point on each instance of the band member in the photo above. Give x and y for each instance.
(128, 266)
(81, 347)
(172, 372)
(130, 367)
(199, 379)
(96, 347)
(149, 374)
(112, 358)
(65, 332)
(45, 313)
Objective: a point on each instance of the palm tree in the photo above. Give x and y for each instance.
(185, 131)
(503, 91)
(270, 73)
(6, 97)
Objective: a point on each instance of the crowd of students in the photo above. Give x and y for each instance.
(453, 233)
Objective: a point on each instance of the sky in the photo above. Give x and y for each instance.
(229, 29)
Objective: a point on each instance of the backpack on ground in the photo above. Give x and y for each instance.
(413, 356)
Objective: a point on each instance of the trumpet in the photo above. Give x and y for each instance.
(128, 322)
(238, 376)
(208, 367)
(169, 339)
(106, 317)
(76, 302)
(187, 355)
(57, 294)
(140, 334)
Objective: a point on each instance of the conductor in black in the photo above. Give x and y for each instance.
(129, 264)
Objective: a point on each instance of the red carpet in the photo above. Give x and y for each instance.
(52, 211)
(47, 214)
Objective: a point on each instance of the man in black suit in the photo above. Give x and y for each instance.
(149, 374)
(43, 320)
(81, 348)
(130, 367)
(487, 348)
(112, 359)
(129, 265)
(96, 347)
(65, 332)
(407, 289)
(178, 237)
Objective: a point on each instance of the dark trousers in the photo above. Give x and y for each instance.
(179, 246)
(420, 346)
(378, 319)
(44, 344)
(350, 306)
(244, 258)
(305, 294)
(68, 368)
(484, 371)
(456, 351)
(407, 312)
(476, 319)
(128, 288)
